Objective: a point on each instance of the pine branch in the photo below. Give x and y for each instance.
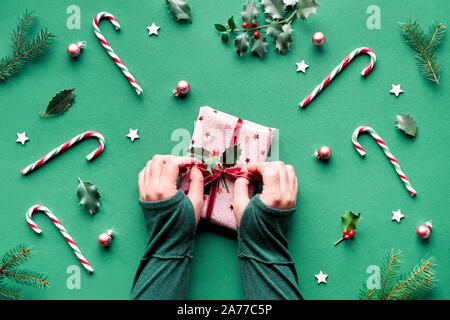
(390, 270)
(425, 46)
(27, 277)
(24, 49)
(10, 294)
(14, 257)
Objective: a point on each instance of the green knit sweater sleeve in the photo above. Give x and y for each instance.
(163, 270)
(267, 268)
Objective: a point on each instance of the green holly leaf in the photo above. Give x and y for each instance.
(89, 196)
(259, 47)
(231, 23)
(241, 43)
(306, 8)
(220, 27)
(406, 124)
(350, 220)
(60, 103)
(283, 39)
(199, 153)
(274, 8)
(274, 29)
(230, 156)
(211, 163)
(225, 37)
(180, 10)
(250, 12)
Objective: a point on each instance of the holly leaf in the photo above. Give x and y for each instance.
(211, 163)
(406, 124)
(60, 103)
(350, 220)
(241, 43)
(259, 47)
(306, 8)
(225, 37)
(274, 29)
(274, 8)
(180, 10)
(230, 156)
(283, 39)
(250, 12)
(89, 196)
(290, 3)
(198, 153)
(231, 23)
(220, 27)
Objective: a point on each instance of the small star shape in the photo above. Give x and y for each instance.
(321, 277)
(397, 215)
(301, 66)
(133, 134)
(396, 89)
(263, 152)
(219, 190)
(256, 136)
(22, 138)
(153, 29)
(200, 118)
(247, 160)
(231, 207)
(207, 134)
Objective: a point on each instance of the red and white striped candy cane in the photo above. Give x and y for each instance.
(61, 229)
(338, 69)
(110, 51)
(67, 145)
(386, 150)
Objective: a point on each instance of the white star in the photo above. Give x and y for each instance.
(22, 138)
(301, 66)
(153, 29)
(321, 277)
(397, 215)
(396, 89)
(133, 134)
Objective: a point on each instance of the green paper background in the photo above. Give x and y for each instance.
(264, 91)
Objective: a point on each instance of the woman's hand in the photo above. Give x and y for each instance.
(280, 187)
(158, 180)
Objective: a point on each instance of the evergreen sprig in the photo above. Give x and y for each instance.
(8, 270)
(279, 16)
(24, 47)
(395, 286)
(425, 44)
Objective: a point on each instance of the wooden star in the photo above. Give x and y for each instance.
(321, 277)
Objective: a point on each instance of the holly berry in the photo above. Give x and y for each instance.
(254, 24)
(345, 232)
(245, 25)
(256, 35)
(351, 234)
(346, 237)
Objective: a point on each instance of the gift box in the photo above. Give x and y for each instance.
(216, 132)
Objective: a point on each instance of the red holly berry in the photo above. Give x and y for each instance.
(245, 25)
(256, 35)
(346, 237)
(254, 24)
(351, 234)
(345, 232)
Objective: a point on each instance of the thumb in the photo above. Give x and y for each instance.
(195, 193)
(241, 198)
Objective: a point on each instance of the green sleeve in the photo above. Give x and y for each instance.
(163, 270)
(267, 268)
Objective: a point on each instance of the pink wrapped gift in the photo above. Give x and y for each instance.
(216, 131)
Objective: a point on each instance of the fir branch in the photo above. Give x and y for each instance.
(10, 294)
(425, 47)
(27, 277)
(14, 257)
(390, 270)
(24, 49)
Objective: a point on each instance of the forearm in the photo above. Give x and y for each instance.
(163, 270)
(267, 268)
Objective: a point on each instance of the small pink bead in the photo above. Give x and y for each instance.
(324, 153)
(73, 50)
(183, 87)
(318, 38)
(105, 239)
(423, 231)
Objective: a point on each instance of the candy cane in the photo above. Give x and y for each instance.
(338, 69)
(67, 145)
(386, 150)
(61, 229)
(110, 51)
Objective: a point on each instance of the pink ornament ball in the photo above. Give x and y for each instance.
(74, 49)
(324, 153)
(182, 88)
(318, 38)
(105, 238)
(424, 231)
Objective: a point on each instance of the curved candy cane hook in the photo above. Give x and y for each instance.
(61, 229)
(338, 69)
(386, 150)
(67, 145)
(110, 51)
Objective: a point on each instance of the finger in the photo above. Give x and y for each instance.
(156, 166)
(296, 191)
(170, 170)
(271, 176)
(291, 177)
(141, 182)
(284, 179)
(195, 193)
(240, 197)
